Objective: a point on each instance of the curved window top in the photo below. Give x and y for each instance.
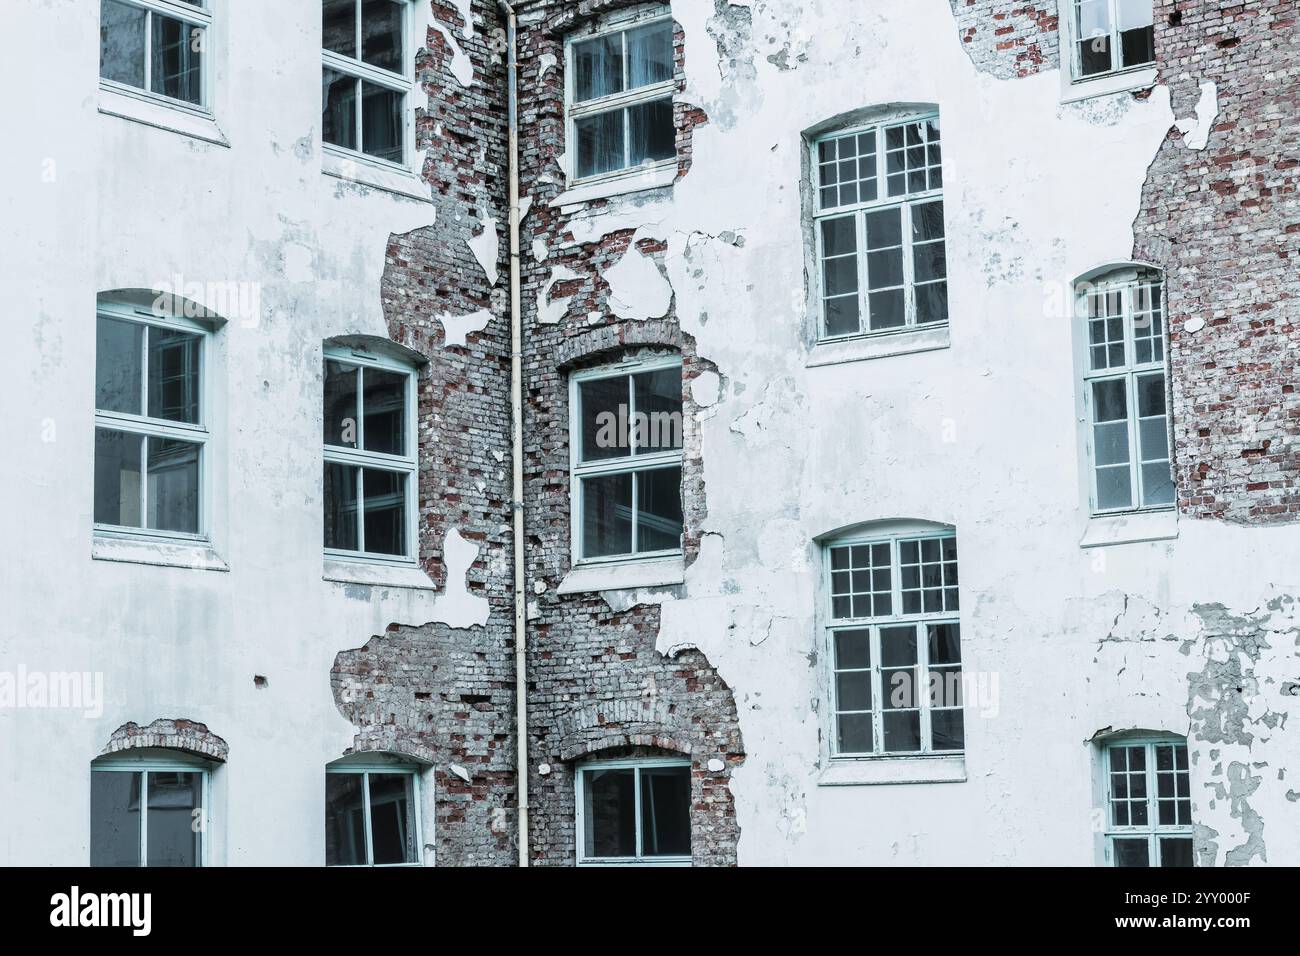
(884, 528)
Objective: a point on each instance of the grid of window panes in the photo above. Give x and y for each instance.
(627, 462)
(366, 79)
(1112, 35)
(896, 646)
(146, 817)
(369, 459)
(621, 102)
(149, 433)
(1125, 383)
(635, 812)
(881, 249)
(1149, 804)
(149, 47)
(370, 818)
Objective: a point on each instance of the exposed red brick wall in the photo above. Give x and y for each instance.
(1009, 38)
(173, 734)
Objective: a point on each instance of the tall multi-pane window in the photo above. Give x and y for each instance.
(158, 46)
(895, 641)
(1110, 36)
(620, 93)
(634, 812)
(1148, 803)
(626, 438)
(878, 200)
(1124, 391)
(367, 78)
(372, 815)
(147, 812)
(370, 457)
(150, 434)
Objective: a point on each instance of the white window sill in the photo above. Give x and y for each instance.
(883, 345)
(1133, 528)
(141, 107)
(1128, 82)
(661, 572)
(634, 182)
(870, 771)
(354, 169)
(377, 574)
(196, 556)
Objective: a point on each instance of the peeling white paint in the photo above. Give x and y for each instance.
(549, 311)
(1196, 131)
(457, 327)
(486, 247)
(637, 289)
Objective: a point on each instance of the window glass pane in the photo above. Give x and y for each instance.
(659, 409)
(1130, 852)
(652, 136)
(947, 730)
(381, 122)
(852, 649)
(840, 276)
(600, 143)
(385, 511)
(853, 734)
(1093, 28)
(666, 811)
(385, 409)
(609, 813)
(650, 52)
(945, 643)
(339, 27)
(1114, 487)
(606, 418)
(847, 170)
(341, 507)
(345, 823)
(853, 690)
(863, 588)
(114, 818)
(341, 384)
(117, 478)
(1136, 32)
(598, 67)
(121, 43)
(843, 315)
(173, 485)
(174, 375)
(118, 349)
(606, 515)
(339, 109)
(381, 34)
(839, 238)
(173, 826)
(1176, 851)
(887, 309)
(659, 510)
(932, 303)
(392, 818)
(177, 56)
(902, 730)
(884, 228)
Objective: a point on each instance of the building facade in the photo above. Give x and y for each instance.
(909, 465)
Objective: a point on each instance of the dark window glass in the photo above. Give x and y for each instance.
(177, 55)
(115, 818)
(341, 384)
(659, 509)
(339, 27)
(121, 43)
(381, 122)
(666, 811)
(119, 348)
(117, 478)
(607, 515)
(173, 489)
(339, 109)
(345, 822)
(341, 507)
(385, 507)
(174, 824)
(609, 813)
(392, 818)
(381, 34)
(385, 408)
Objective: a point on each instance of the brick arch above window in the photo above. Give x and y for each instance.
(615, 742)
(579, 15)
(171, 733)
(598, 344)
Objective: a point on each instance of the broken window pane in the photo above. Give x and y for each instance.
(381, 34)
(172, 493)
(665, 811)
(392, 818)
(174, 824)
(122, 43)
(118, 487)
(177, 51)
(609, 813)
(115, 814)
(118, 366)
(607, 515)
(339, 109)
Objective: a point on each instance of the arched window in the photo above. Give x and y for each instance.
(892, 623)
(1148, 801)
(372, 811)
(1121, 311)
(147, 808)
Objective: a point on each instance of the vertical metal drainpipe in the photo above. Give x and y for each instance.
(517, 439)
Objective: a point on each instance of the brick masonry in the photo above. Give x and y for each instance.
(1009, 38)
(178, 733)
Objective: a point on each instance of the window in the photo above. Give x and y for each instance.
(372, 815)
(895, 644)
(147, 812)
(367, 78)
(1124, 391)
(627, 460)
(635, 812)
(158, 46)
(150, 437)
(1111, 36)
(879, 228)
(370, 457)
(1149, 803)
(621, 84)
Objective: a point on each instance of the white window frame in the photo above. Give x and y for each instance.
(404, 83)
(195, 16)
(892, 535)
(619, 22)
(407, 464)
(858, 211)
(1074, 85)
(365, 769)
(148, 427)
(1123, 279)
(129, 763)
(626, 464)
(580, 790)
(1153, 830)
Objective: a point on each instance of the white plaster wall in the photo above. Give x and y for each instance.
(133, 206)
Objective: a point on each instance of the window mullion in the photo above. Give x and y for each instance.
(361, 508)
(148, 50)
(365, 811)
(1135, 454)
(144, 482)
(909, 278)
(864, 281)
(144, 818)
(923, 682)
(877, 692)
(636, 523)
(637, 811)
